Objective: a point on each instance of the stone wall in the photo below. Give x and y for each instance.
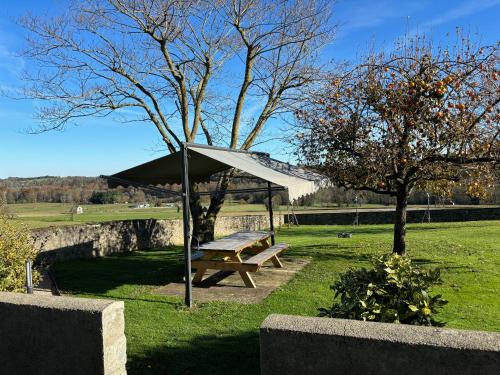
(46, 335)
(386, 216)
(295, 345)
(88, 241)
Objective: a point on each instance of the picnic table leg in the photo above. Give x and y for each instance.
(247, 279)
(200, 271)
(198, 276)
(276, 262)
(264, 244)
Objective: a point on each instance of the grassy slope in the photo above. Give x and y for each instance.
(223, 337)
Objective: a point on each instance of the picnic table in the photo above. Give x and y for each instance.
(225, 254)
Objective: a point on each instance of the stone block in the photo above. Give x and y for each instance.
(47, 335)
(296, 345)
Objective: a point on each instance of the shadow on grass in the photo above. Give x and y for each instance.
(423, 261)
(98, 276)
(325, 233)
(346, 253)
(235, 354)
(333, 230)
(329, 252)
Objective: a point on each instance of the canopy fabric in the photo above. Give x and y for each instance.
(204, 161)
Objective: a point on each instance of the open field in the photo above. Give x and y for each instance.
(222, 337)
(37, 215)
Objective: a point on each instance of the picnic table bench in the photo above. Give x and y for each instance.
(225, 255)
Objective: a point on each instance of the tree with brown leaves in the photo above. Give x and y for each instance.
(418, 116)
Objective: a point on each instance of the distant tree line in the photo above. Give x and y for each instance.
(340, 197)
(94, 190)
(50, 189)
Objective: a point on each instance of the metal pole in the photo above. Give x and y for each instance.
(356, 219)
(271, 220)
(188, 295)
(428, 208)
(29, 277)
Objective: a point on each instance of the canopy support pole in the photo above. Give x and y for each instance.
(188, 295)
(271, 221)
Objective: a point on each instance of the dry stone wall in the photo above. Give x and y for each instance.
(89, 241)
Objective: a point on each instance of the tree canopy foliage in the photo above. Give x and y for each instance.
(419, 115)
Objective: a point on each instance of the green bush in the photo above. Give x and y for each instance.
(392, 291)
(104, 197)
(15, 247)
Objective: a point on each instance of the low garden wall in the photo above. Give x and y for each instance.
(46, 335)
(88, 241)
(92, 240)
(387, 216)
(306, 345)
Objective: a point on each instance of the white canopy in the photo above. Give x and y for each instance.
(205, 161)
(297, 181)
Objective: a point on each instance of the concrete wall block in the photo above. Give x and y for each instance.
(113, 322)
(46, 335)
(115, 357)
(306, 345)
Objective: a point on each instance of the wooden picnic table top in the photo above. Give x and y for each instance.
(236, 241)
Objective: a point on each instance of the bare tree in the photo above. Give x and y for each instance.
(177, 64)
(419, 115)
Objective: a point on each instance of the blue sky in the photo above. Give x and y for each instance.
(103, 146)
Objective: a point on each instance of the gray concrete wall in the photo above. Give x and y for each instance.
(386, 216)
(89, 241)
(294, 345)
(46, 335)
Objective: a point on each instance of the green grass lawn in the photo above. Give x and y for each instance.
(37, 215)
(222, 338)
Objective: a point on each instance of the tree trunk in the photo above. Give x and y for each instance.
(399, 245)
(204, 221)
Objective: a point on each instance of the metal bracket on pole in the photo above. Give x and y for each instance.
(271, 219)
(188, 296)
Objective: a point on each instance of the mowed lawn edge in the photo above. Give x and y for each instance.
(222, 337)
